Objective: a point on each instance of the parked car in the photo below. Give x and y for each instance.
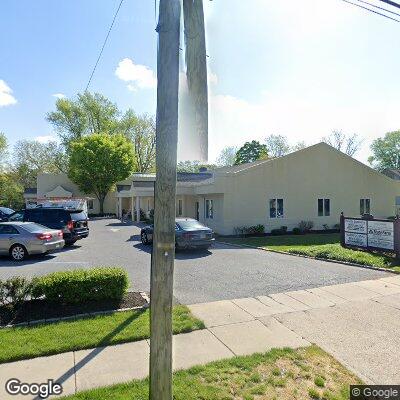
(189, 234)
(21, 239)
(5, 213)
(73, 223)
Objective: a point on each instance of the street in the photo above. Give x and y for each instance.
(223, 273)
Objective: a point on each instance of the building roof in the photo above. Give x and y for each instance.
(30, 190)
(392, 173)
(181, 177)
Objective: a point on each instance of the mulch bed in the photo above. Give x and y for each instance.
(40, 309)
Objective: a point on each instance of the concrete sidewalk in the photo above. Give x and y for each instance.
(356, 322)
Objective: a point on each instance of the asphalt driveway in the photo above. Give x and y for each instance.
(224, 272)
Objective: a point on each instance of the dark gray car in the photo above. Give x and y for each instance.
(189, 234)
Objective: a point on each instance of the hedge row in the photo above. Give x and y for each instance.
(80, 285)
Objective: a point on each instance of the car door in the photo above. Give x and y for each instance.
(8, 235)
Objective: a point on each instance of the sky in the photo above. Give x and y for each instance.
(299, 68)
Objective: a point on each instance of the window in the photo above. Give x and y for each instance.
(180, 207)
(276, 208)
(365, 206)
(8, 230)
(209, 209)
(324, 207)
(90, 204)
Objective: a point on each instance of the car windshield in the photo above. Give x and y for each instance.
(6, 210)
(191, 224)
(32, 227)
(78, 215)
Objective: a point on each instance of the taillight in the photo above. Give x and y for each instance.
(70, 225)
(60, 234)
(44, 236)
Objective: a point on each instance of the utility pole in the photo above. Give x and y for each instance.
(196, 65)
(162, 264)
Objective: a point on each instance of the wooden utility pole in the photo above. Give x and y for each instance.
(196, 69)
(162, 264)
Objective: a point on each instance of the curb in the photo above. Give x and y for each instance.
(313, 258)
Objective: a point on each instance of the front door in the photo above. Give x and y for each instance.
(197, 210)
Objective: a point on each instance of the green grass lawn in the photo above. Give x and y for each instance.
(28, 342)
(322, 245)
(307, 373)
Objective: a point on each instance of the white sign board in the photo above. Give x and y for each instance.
(355, 225)
(381, 234)
(355, 239)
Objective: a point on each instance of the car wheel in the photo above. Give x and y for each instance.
(69, 244)
(18, 252)
(143, 237)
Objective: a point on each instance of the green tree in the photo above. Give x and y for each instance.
(386, 152)
(3, 148)
(227, 156)
(31, 158)
(193, 166)
(11, 192)
(251, 151)
(86, 114)
(98, 161)
(277, 145)
(141, 131)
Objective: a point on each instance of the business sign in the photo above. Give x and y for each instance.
(370, 234)
(381, 234)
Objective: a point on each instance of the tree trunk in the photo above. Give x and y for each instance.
(162, 267)
(101, 201)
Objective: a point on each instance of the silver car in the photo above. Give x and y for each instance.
(21, 239)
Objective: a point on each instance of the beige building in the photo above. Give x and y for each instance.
(314, 184)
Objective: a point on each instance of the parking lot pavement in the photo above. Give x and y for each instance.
(224, 272)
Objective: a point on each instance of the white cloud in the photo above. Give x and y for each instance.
(46, 139)
(59, 95)
(6, 97)
(138, 76)
(234, 121)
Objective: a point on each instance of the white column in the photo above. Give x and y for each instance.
(119, 212)
(137, 208)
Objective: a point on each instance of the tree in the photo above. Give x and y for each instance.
(277, 145)
(348, 144)
(98, 161)
(193, 166)
(3, 149)
(31, 157)
(299, 146)
(86, 114)
(141, 131)
(227, 156)
(11, 191)
(386, 152)
(251, 151)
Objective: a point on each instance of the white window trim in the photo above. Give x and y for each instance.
(370, 204)
(323, 198)
(276, 211)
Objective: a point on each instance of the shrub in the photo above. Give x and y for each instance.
(337, 227)
(249, 230)
(81, 285)
(296, 231)
(15, 291)
(276, 232)
(306, 226)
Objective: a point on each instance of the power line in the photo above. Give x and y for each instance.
(380, 8)
(391, 3)
(104, 45)
(373, 11)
